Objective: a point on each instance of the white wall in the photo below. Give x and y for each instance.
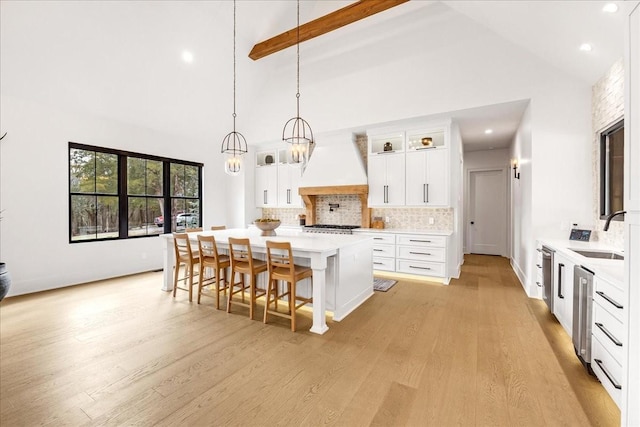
(34, 193)
(484, 160)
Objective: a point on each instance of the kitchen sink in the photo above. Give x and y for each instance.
(599, 254)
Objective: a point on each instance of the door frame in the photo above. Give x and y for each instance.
(467, 207)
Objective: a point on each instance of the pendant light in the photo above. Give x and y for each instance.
(297, 132)
(234, 145)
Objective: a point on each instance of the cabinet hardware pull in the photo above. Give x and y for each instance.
(427, 193)
(420, 241)
(560, 269)
(609, 334)
(421, 268)
(419, 253)
(264, 196)
(424, 193)
(613, 381)
(378, 250)
(609, 299)
(378, 238)
(378, 263)
(288, 195)
(539, 285)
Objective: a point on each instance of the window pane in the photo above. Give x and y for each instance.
(135, 176)
(108, 222)
(137, 215)
(616, 168)
(178, 207)
(154, 213)
(83, 217)
(177, 180)
(154, 178)
(82, 171)
(191, 181)
(106, 173)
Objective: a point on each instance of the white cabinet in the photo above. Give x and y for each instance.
(609, 336)
(416, 254)
(288, 185)
(563, 291)
(384, 251)
(427, 178)
(421, 254)
(386, 180)
(266, 179)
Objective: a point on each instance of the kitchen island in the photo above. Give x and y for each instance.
(341, 264)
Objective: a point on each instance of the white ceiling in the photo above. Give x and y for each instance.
(122, 60)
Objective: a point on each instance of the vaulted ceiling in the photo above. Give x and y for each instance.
(123, 60)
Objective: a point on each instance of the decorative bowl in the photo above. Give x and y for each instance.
(267, 227)
(427, 141)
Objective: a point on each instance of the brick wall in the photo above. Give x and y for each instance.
(607, 108)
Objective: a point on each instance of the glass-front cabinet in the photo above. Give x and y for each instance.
(426, 139)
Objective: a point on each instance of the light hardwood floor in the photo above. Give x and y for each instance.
(122, 352)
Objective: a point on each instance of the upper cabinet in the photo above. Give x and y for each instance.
(427, 173)
(409, 167)
(266, 183)
(288, 182)
(386, 163)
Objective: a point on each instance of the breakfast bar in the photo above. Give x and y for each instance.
(341, 264)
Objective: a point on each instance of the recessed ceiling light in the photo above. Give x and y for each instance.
(488, 131)
(610, 7)
(585, 47)
(187, 57)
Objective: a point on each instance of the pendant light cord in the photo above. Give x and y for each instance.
(298, 62)
(234, 66)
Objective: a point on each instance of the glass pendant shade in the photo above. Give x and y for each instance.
(234, 145)
(298, 153)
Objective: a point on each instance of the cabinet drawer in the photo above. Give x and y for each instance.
(608, 330)
(421, 253)
(421, 240)
(609, 296)
(422, 268)
(607, 369)
(384, 251)
(382, 238)
(384, 264)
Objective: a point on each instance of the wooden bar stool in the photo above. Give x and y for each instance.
(218, 227)
(242, 262)
(281, 267)
(192, 230)
(184, 255)
(210, 259)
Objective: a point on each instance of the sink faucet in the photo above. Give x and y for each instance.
(610, 217)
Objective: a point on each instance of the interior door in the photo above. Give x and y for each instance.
(488, 212)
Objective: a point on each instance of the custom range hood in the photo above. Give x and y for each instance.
(335, 167)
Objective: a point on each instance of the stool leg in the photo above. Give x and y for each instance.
(233, 278)
(175, 277)
(292, 304)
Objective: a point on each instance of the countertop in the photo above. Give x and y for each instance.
(403, 231)
(608, 269)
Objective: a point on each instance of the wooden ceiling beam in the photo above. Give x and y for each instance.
(327, 23)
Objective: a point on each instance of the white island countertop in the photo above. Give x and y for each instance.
(341, 263)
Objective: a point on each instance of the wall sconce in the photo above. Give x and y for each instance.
(514, 164)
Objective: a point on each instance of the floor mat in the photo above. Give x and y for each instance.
(383, 285)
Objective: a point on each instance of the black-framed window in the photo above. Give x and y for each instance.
(115, 194)
(612, 170)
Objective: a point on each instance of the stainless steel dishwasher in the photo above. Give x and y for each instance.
(547, 276)
(582, 306)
